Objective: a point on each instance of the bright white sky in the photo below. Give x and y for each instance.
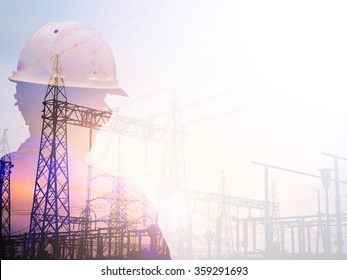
(289, 55)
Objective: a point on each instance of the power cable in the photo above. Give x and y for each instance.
(230, 112)
(97, 33)
(116, 24)
(203, 100)
(173, 85)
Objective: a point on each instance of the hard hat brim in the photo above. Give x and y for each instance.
(109, 90)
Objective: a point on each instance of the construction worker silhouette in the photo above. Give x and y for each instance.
(90, 74)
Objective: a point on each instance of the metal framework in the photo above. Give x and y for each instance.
(275, 214)
(114, 123)
(226, 199)
(173, 204)
(51, 210)
(339, 240)
(50, 234)
(51, 194)
(5, 174)
(224, 238)
(118, 221)
(146, 243)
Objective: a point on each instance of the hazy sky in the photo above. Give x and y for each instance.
(272, 74)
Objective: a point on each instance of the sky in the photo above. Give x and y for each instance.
(254, 81)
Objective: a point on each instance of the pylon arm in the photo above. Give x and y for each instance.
(108, 121)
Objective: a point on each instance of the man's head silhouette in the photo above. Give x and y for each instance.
(88, 67)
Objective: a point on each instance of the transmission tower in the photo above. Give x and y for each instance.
(118, 223)
(275, 214)
(50, 212)
(173, 209)
(87, 212)
(49, 232)
(224, 235)
(5, 173)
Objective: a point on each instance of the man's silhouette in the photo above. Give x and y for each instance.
(89, 74)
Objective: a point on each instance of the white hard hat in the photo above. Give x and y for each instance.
(86, 59)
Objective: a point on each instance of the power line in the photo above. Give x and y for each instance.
(172, 85)
(116, 24)
(230, 112)
(162, 89)
(203, 100)
(96, 34)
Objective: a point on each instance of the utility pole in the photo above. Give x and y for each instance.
(319, 226)
(326, 175)
(86, 215)
(89, 186)
(339, 242)
(268, 229)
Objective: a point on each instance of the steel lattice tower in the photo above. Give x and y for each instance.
(275, 214)
(118, 219)
(224, 235)
(86, 215)
(5, 173)
(173, 209)
(50, 212)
